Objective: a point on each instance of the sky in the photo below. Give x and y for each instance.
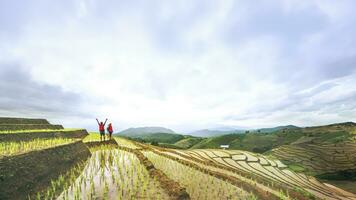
(181, 64)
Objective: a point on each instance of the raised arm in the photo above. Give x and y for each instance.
(105, 121)
(97, 120)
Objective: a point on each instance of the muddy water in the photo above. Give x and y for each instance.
(114, 174)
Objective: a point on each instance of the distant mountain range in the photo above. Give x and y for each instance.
(228, 130)
(213, 133)
(152, 134)
(145, 131)
(256, 140)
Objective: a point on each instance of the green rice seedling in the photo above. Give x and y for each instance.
(114, 174)
(38, 130)
(13, 148)
(61, 183)
(38, 197)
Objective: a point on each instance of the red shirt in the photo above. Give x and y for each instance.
(101, 127)
(110, 128)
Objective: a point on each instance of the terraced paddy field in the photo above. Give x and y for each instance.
(22, 141)
(32, 152)
(72, 164)
(321, 158)
(27, 135)
(199, 185)
(10, 120)
(345, 185)
(21, 124)
(333, 163)
(347, 127)
(262, 173)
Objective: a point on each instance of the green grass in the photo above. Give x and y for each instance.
(215, 142)
(167, 145)
(296, 168)
(188, 142)
(95, 137)
(92, 137)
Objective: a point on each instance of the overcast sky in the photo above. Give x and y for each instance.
(181, 64)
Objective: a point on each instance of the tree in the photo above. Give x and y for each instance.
(155, 143)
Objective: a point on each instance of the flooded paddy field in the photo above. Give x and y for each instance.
(114, 174)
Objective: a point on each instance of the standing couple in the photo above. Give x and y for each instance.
(102, 129)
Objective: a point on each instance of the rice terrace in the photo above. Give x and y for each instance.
(44, 161)
(177, 100)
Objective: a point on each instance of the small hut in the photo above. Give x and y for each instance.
(224, 146)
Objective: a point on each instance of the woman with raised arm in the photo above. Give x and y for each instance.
(102, 129)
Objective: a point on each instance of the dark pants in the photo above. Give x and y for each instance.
(102, 133)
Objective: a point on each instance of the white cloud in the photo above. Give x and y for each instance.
(190, 65)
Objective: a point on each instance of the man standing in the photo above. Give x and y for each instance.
(102, 129)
